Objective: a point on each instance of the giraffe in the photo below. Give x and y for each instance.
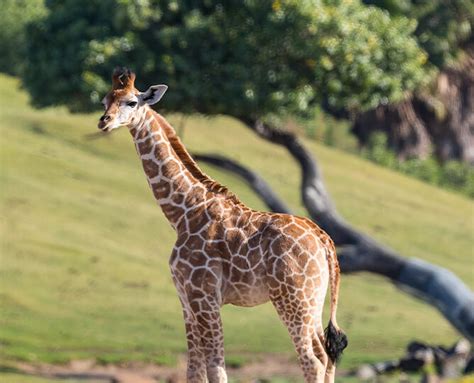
(227, 253)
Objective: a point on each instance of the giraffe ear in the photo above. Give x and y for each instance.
(153, 94)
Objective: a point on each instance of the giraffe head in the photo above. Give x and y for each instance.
(124, 103)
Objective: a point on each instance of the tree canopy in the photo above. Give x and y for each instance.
(16, 14)
(443, 27)
(258, 58)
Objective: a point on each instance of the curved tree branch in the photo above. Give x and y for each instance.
(257, 183)
(356, 250)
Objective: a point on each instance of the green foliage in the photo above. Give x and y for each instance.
(443, 27)
(363, 57)
(252, 58)
(428, 170)
(326, 129)
(16, 14)
(454, 175)
(377, 151)
(459, 176)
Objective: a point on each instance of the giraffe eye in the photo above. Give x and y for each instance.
(132, 104)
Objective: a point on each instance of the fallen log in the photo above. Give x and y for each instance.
(438, 361)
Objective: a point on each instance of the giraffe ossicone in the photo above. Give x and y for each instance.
(227, 253)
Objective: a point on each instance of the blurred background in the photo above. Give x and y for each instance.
(376, 97)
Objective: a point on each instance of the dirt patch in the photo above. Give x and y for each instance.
(264, 368)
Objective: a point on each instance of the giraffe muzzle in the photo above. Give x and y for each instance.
(103, 122)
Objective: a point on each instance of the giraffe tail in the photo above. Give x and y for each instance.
(335, 340)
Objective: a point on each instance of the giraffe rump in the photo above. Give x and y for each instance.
(335, 342)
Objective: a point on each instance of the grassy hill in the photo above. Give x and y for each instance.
(84, 253)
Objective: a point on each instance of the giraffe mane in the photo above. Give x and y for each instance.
(190, 164)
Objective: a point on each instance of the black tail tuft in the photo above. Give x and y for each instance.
(335, 342)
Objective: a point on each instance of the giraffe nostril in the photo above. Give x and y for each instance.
(105, 118)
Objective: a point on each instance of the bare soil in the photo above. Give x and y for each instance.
(263, 369)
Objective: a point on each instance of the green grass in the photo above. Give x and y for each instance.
(84, 270)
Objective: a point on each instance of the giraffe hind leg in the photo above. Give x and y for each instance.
(299, 320)
(330, 371)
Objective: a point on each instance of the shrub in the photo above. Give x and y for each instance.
(453, 175)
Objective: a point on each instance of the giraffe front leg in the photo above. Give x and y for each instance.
(212, 338)
(205, 337)
(199, 293)
(196, 369)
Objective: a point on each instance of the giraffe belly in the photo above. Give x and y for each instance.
(239, 294)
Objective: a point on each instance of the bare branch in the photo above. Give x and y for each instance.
(257, 183)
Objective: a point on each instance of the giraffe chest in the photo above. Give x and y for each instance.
(233, 254)
(210, 266)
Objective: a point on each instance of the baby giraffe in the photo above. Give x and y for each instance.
(226, 252)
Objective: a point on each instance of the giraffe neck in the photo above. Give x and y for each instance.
(173, 185)
(211, 185)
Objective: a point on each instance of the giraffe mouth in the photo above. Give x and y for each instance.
(103, 127)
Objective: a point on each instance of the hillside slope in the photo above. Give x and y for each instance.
(84, 255)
